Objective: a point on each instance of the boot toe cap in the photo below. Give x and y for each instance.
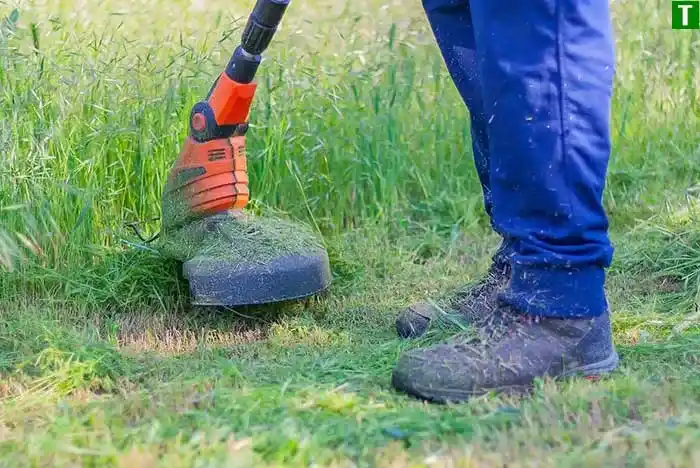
(438, 374)
(414, 321)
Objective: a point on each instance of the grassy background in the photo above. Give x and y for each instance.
(357, 129)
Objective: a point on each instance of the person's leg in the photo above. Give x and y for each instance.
(546, 70)
(451, 23)
(547, 73)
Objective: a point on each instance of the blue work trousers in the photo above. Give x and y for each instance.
(537, 77)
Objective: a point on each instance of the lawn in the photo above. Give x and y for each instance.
(357, 131)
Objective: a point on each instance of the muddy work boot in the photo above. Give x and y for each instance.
(511, 354)
(473, 304)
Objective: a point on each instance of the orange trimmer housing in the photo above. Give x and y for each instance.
(212, 175)
(220, 180)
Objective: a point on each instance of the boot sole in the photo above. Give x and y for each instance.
(596, 369)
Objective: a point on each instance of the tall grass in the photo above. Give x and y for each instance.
(355, 122)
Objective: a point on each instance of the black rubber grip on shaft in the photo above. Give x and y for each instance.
(269, 12)
(262, 25)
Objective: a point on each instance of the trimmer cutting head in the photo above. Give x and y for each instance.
(237, 258)
(231, 257)
(219, 282)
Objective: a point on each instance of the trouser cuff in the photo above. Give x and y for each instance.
(557, 292)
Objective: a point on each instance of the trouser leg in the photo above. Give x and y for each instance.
(546, 69)
(452, 26)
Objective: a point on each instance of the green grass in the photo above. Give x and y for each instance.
(359, 131)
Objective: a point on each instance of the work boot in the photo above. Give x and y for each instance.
(473, 304)
(510, 353)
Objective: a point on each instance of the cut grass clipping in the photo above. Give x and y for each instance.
(240, 238)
